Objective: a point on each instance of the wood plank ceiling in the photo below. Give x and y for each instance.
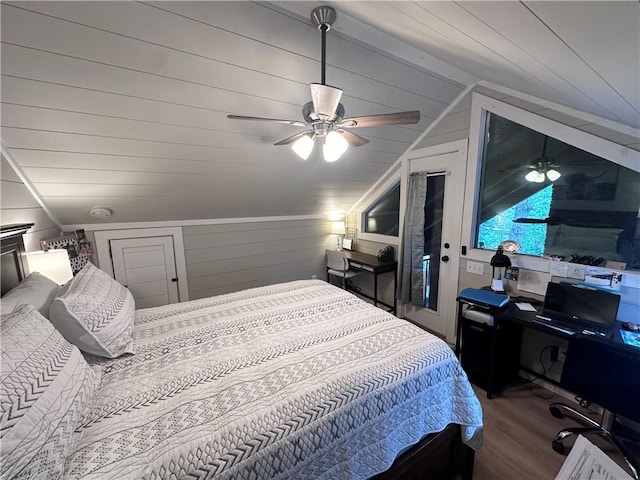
(124, 104)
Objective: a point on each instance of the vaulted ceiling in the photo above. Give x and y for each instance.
(125, 104)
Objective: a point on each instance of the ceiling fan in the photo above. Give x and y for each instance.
(324, 115)
(542, 168)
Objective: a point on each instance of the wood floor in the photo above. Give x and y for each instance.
(518, 430)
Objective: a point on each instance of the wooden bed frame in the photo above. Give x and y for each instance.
(438, 456)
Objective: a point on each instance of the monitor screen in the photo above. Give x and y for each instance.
(579, 303)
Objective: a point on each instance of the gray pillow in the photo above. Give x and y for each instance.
(36, 290)
(45, 387)
(95, 313)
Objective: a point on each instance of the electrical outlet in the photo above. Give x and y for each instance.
(314, 277)
(576, 271)
(558, 269)
(475, 267)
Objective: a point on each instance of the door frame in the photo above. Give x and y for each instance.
(460, 149)
(105, 262)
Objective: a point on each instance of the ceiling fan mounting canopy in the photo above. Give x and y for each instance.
(325, 114)
(323, 15)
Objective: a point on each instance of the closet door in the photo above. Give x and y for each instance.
(147, 267)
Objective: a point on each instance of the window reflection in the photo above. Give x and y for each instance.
(384, 216)
(556, 200)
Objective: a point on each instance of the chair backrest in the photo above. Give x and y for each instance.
(606, 375)
(336, 260)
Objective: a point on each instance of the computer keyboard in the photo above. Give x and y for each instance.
(547, 323)
(573, 327)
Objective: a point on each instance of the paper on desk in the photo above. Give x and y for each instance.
(588, 462)
(526, 307)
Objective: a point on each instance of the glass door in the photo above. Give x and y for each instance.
(445, 168)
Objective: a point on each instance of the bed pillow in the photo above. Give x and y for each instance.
(566, 240)
(36, 290)
(45, 387)
(95, 313)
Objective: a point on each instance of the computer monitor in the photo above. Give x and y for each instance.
(577, 303)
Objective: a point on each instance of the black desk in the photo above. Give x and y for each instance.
(516, 320)
(370, 264)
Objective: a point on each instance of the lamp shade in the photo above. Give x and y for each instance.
(553, 175)
(334, 146)
(53, 264)
(500, 260)
(535, 176)
(303, 146)
(338, 228)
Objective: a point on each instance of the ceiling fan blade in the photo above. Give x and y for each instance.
(295, 123)
(353, 139)
(399, 118)
(292, 138)
(548, 220)
(325, 99)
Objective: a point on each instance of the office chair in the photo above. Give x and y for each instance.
(609, 375)
(338, 266)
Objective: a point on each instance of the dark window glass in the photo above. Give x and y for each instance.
(383, 217)
(433, 212)
(555, 200)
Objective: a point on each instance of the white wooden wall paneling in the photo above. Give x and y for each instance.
(498, 22)
(17, 205)
(233, 281)
(99, 46)
(228, 257)
(266, 166)
(251, 261)
(65, 120)
(226, 24)
(46, 140)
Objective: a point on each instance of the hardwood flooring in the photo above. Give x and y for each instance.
(518, 430)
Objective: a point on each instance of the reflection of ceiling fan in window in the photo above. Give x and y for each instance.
(542, 168)
(324, 115)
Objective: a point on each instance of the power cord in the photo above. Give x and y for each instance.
(544, 373)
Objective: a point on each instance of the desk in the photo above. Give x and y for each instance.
(370, 264)
(513, 318)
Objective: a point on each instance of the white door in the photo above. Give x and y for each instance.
(445, 167)
(147, 267)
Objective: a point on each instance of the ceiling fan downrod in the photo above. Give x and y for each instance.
(323, 17)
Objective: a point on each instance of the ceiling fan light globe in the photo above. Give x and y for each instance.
(334, 146)
(303, 147)
(553, 175)
(534, 176)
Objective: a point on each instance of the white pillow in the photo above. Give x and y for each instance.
(36, 290)
(95, 313)
(45, 387)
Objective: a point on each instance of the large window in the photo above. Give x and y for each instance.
(383, 217)
(554, 199)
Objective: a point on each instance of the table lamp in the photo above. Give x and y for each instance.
(498, 261)
(53, 264)
(339, 229)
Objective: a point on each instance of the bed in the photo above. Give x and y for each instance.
(294, 380)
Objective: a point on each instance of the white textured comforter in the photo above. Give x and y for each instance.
(296, 380)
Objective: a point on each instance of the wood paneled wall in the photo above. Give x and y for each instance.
(455, 125)
(229, 257)
(17, 205)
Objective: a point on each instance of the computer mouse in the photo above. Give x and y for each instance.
(632, 327)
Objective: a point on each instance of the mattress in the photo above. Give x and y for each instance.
(295, 380)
